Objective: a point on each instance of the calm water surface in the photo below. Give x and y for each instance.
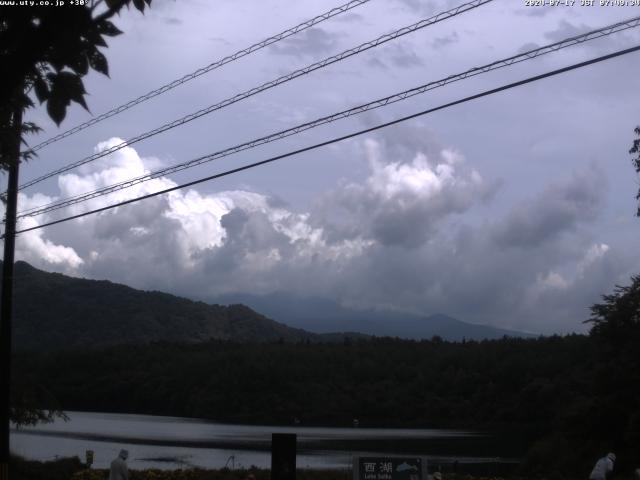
(171, 442)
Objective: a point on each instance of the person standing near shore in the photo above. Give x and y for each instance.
(603, 467)
(119, 470)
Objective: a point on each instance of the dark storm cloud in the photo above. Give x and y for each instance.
(312, 42)
(395, 55)
(413, 185)
(445, 40)
(463, 272)
(528, 47)
(558, 209)
(250, 231)
(399, 232)
(565, 30)
(137, 245)
(119, 224)
(401, 243)
(408, 217)
(402, 142)
(349, 17)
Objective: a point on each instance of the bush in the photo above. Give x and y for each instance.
(63, 469)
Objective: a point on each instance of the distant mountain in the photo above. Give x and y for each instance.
(53, 311)
(321, 315)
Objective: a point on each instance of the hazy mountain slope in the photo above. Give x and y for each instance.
(322, 315)
(53, 311)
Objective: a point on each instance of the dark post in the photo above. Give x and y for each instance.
(283, 456)
(7, 296)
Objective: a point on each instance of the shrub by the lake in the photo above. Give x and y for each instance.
(62, 469)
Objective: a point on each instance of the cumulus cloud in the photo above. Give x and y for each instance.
(33, 247)
(565, 30)
(311, 42)
(178, 242)
(403, 200)
(527, 47)
(558, 209)
(400, 55)
(398, 237)
(445, 40)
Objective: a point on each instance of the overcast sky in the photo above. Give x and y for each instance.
(515, 210)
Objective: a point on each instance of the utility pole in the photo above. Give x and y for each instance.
(6, 311)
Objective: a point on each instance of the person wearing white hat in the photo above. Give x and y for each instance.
(603, 467)
(119, 470)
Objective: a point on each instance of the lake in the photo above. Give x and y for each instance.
(172, 442)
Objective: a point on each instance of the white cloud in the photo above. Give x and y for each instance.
(595, 253)
(398, 238)
(33, 247)
(553, 280)
(404, 198)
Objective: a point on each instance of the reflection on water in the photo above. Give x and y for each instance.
(170, 442)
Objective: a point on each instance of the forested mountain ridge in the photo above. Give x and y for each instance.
(54, 311)
(322, 315)
(569, 398)
(526, 390)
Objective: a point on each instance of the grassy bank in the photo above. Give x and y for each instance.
(62, 469)
(74, 469)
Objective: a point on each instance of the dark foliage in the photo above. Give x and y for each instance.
(526, 387)
(635, 150)
(567, 399)
(616, 332)
(46, 51)
(53, 311)
(62, 469)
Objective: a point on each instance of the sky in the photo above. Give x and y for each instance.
(515, 210)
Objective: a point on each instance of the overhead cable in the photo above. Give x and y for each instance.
(339, 139)
(531, 54)
(201, 71)
(265, 86)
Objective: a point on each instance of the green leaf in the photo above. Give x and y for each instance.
(30, 128)
(73, 87)
(80, 64)
(139, 4)
(25, 101)
(56, 63)
(109, 29)
(41, 88)
(99, 62)
(57, 109)
(67, 87)
(94, 37)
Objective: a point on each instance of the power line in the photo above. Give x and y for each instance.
(268, 85)
(601, 32)
(201, 71)
(344, 137)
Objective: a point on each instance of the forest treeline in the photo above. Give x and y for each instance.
(544, 390)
